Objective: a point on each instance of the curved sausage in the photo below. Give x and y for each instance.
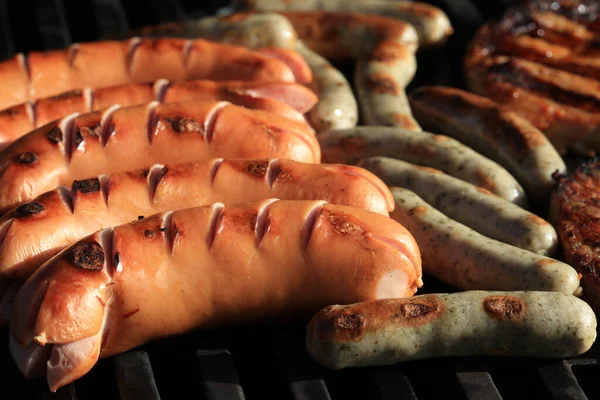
(293, 255)
(337, 107)
(110, 63)
(470, 205)
(493, 131)
(384, 49)
(467, 260)
(473, 323)
(348, 146)
(35, 231)
(130, 138)
(432, 24)
(25, 117)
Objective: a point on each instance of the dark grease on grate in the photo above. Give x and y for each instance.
(269, 361)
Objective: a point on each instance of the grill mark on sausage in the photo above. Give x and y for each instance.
(214, 169)
(107, 127)
(256, 168)
(211, 121)
(86, 186)
(382, 84)
(107, 237)
(29, 209)
(262, 225)
(133, 46)
(26, 158)
(511, 72)
(310, 222)
(13, 111)
(161, 86)
(151, 120)
(73, 52)
(505, 308)
(55, 135)
(88, 256)
(104, 187)
(273, 172)
(215, 224)
(65, 195)
(169, 230)
(155, 175)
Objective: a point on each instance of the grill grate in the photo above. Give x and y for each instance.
(269, 361)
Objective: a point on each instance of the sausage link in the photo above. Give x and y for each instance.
(467, 260)
(348, 146)
(493, 131)
(23, 118)
(470, 205)
(79, 147)
(89, 301)
(110, 63)
(384, 49)
(337, 107)
(432, 24)
(28, 239)
(472, 323)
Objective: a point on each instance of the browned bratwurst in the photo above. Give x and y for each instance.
(23, 118)
(35, 231)
(130, 138)
(109, 63)
(204, 267)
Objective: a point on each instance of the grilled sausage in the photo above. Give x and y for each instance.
(493, 131)
(130, 138)
(431, 24)
(384, 49)
(109, 63)
(348, 146)
(293, 257)
(20, 119)
(470, 205)
(336, 109)
(467, 260)
(473, 323)
(29, 239)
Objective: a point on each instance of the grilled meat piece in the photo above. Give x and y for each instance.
(575, 213)
(542, 60)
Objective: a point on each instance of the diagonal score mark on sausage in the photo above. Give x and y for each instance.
(310, 222)
(160, 88)
(107, 128)
(262, 221)
(211, 120)
(151, 120)
(65, 196)
(155, 175)
(273, 171)
(215, 225)
(106, 239)
(214, 169)
(88, 99)
(132, 46)
(68, 127)
(23, 61)
(104, 187)
(30, 109)
(73, 51)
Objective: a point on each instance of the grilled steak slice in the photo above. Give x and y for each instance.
(575, 213)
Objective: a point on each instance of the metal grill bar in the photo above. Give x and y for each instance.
(218, 374)
(134, 375)
(391, 384)
(561, 381)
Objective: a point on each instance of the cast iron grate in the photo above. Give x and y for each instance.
(269, 361)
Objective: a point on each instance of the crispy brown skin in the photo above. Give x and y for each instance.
(544, 65)
(575, 213)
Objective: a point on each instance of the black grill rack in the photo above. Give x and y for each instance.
(269, 361)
